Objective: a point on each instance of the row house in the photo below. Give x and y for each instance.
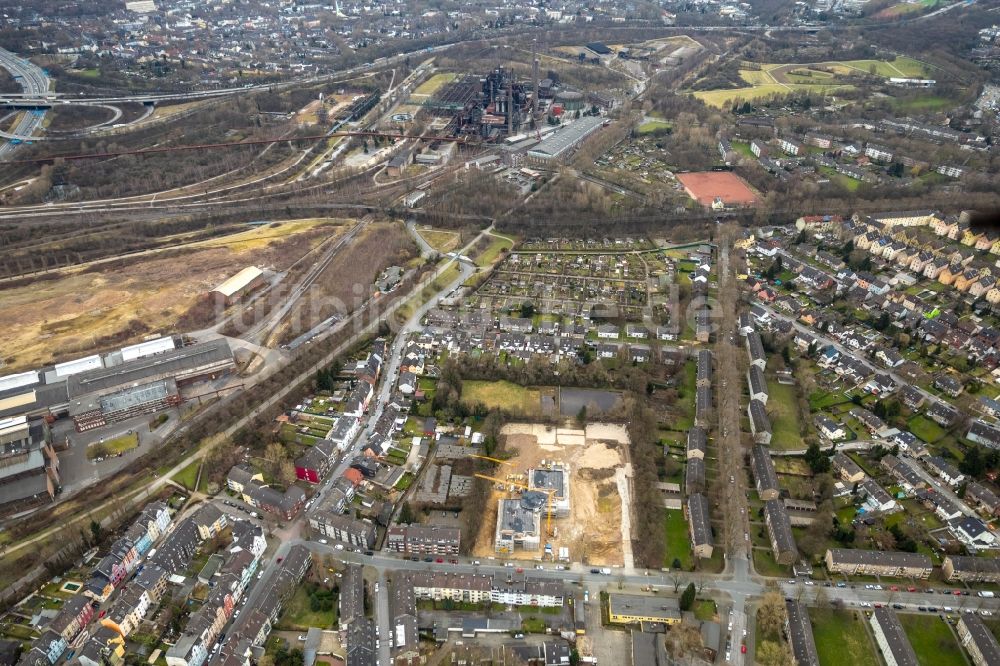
(75, 614)
(982, 498)
(944, 470)
(943, 507)
(905, 475)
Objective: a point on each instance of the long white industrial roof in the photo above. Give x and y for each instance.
(148, 348)
(239, 281)
(16, 381)
(79, 365)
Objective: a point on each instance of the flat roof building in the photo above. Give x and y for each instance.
(552, 478)
(635, 609)
(560, 143)
(518, 526)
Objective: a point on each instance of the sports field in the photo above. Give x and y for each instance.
(705, 186)
(766, 79)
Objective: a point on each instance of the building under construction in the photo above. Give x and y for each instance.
(491, 108)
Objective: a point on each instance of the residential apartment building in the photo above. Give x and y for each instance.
(360, 533)
(765, 477)
(779, 531)
(700, 526)
(978, 640)
(891, 639)
(800, 635)
(968, 569)
(878, 563)
(423, 539)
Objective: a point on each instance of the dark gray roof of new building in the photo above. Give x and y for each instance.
(898, 643)
(800, 634)
(701, 525)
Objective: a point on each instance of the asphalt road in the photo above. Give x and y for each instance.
(34, 82)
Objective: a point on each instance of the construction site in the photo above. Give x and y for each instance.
(563, 494)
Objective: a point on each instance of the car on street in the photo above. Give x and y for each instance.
(428, 559)
(440, 560)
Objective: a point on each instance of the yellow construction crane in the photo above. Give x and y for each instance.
(550, 493)
(496, 460)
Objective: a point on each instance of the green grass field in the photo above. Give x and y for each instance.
(822, 77)
(114, 446)
(820, 400)
(435, 83)
(932, 640)
(743, 148)
(653, 126)
(841, 638)
(442, 241)
(705, 610)
(188, 476)
(782, 406)
(678, 543)
(925, 429)
(502, 395)
(846, 182)
(299, 615)
(493, 250)
(924, 103)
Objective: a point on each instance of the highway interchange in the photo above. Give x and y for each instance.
(34, 82)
